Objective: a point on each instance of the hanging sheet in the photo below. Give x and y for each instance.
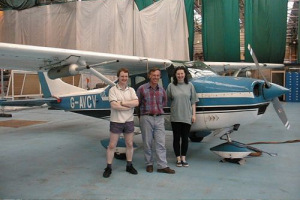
(189, 9)
(109, 26)
(161, 31)
(141, 4)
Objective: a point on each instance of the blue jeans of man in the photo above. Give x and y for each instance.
(153, 132)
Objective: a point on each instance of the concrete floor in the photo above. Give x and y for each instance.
(63, 159)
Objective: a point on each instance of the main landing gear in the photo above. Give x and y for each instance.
(198, 136)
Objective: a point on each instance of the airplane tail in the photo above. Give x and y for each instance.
(56, 88)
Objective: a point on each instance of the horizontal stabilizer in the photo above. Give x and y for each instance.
(56, 87)
(31, 102)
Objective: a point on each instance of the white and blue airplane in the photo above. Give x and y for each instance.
(225, 102)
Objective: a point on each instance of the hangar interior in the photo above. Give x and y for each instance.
(52, 154)
(53, 35)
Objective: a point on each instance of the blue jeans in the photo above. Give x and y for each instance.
(153, 130)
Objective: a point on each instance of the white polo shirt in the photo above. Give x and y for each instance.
(117, 94)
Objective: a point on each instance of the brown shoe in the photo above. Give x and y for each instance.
(149, 168)
(167, 170)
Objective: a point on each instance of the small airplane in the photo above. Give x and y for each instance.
(225, 102)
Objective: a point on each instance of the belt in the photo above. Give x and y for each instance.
(153, 115)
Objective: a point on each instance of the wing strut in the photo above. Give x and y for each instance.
(101, 76)
(98, 74)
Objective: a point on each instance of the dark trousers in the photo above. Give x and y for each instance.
(180, 131)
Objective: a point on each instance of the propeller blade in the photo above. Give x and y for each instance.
(257, 64)
(280, 112)
(276, 103)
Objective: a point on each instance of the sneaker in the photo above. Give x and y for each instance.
(107, 172)
(178, 164)
(184, 163)
(131, 170)
(166, 170)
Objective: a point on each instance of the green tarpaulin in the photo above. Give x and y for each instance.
(18, 4)
(220, 30)
(265, 29)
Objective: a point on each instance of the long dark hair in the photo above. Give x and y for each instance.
(175, 81)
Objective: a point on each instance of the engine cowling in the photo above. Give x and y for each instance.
(63, 71)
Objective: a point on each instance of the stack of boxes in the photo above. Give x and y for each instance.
(292, 82)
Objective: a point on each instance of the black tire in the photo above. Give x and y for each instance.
(120, 156)
(194, 138)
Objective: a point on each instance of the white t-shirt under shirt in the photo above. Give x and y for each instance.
(117, 94)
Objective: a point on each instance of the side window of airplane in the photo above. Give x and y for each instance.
(160, 82)
(171, 81)
(129, 82)
(140, 80)
(170, 71)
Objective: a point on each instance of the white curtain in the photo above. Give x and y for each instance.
(161, 31)
(8, 24)
(105, 26)
(109, 26)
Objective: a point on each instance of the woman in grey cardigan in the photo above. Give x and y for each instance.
(183, 98)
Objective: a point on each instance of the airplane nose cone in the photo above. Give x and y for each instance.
(274, 91)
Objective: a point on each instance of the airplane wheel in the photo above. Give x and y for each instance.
(194, 138)
(120, 156)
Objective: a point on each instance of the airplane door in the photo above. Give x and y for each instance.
(138, 80)
(164, 81)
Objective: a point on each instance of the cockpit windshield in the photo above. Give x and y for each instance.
(199, 69)
(196, 69)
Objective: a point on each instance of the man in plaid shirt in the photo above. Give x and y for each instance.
(152, 99)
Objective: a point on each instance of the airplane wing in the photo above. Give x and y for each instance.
(225, 66)
(36, 58)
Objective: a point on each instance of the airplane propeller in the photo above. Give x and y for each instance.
(275, 101)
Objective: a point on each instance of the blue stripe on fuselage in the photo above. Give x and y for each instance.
(212, 84)
(229, 101)
(226, 86)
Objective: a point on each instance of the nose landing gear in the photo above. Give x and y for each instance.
(233, 151)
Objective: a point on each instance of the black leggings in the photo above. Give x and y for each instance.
(180, 130)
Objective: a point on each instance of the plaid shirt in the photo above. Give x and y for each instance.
(151, 100)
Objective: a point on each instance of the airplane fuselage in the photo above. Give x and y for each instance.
(223, 102)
